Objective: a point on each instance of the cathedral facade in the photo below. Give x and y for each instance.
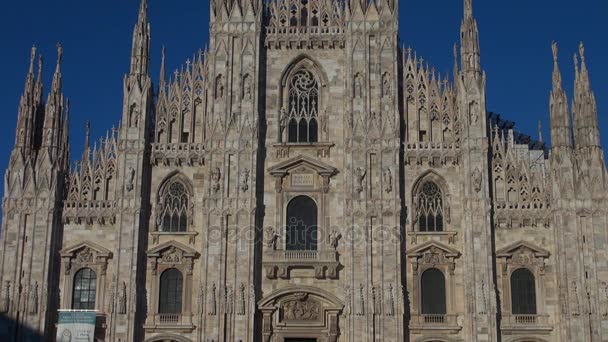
(307, 179)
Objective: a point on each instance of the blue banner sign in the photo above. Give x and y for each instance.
(76, 326)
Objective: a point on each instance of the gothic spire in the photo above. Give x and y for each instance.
(29, 106)
(585, 122)
(54, 108)
(162, 70)
(560, 119)
(140, 52)
(56, 87)
(469, 35)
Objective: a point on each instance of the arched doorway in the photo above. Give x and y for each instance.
(167, 338)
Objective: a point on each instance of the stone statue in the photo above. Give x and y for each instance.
(6, 297)
(245, 180)
(130, 179)
(360, 177)
(33, 299)
(334, 238)
(122, 299)
(477, 180)
(216, 176)
(212, 310)
(272, 238)
(387, 177)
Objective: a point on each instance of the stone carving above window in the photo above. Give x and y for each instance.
(433, 254)
(523, 254)
(301, 308)
(293, 310)
(85, 254)
(171, 254)
(285, 174)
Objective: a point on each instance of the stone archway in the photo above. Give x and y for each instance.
(300, 313)
(168, 338)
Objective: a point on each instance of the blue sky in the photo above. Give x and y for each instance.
(96, 36)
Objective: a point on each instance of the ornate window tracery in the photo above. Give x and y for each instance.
(85, 290)
(430, 208)
(303, 107)
(174, 207)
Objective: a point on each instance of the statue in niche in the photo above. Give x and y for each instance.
(576, 306)
(386, 85)
(122, 299)
(216, 175)
(134, 116)
(33, 299)
(474, 112)
(247, 92)
(387, 176)
(360, 177)
(6, 297)
(245, 180)
(477, 180)
(358, 86)
(212, 310)
(130, 179)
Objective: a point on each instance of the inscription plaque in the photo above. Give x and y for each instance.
(302, 179)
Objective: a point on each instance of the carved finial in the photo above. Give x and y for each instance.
(87, 134)
(468, 8)
(59, 56)
(576, 63)
(540, 131)
(162, 67)
(554, 48)
(32, 58)
(581, 50)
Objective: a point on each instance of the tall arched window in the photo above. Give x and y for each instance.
(85, 290)
(303, 97)
(301, 232)
(171, 283)
(432, 292)
(175, 204)
(430, 208)
(523, 292)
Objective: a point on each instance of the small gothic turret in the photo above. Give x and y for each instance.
(140, 52)
(560, 119)
(585, 122)
(30, 106)
(469, 37)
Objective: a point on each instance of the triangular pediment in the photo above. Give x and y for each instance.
(433, 246)
(300, 162)
(75, 249)
(512, 249)
(169, 246)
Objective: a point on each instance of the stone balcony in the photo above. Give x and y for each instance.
(305, 37)
(531, 324)
(165, 322)
(178, 154)
(103, 212)
(447, 324)
(432, 153)
(279, 264)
